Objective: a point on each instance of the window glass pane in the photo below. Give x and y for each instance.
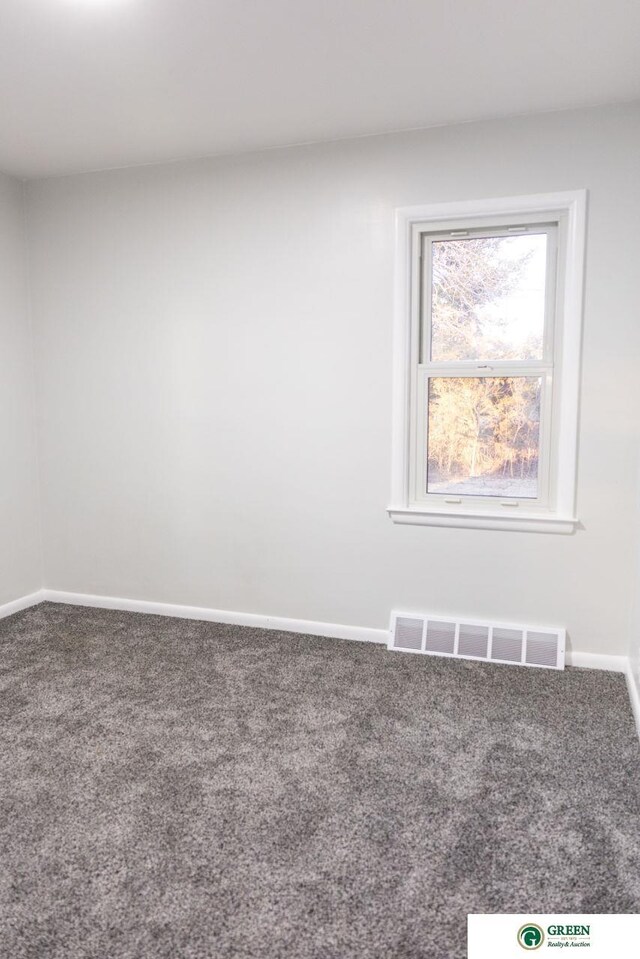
(483, 436)
(488, 298)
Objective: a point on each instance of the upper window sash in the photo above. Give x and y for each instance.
(424, 241)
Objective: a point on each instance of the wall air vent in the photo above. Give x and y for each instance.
(471, 638)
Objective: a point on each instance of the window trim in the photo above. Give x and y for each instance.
(568, 209)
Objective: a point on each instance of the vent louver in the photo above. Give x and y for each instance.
(507, 644)
(474, 639)
(441, 637)
(541, 649)
(409, 633)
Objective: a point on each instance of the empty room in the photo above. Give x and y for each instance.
(319, 479)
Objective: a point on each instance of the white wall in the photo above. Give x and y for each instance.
(214, 357)
(20, 560)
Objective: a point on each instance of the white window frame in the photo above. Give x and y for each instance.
(554, 509)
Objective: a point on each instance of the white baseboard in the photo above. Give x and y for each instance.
(309, 627)
(16, 605)
(634, 695)
(361, 634)
(614, 664)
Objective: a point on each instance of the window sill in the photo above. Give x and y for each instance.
(523, 522)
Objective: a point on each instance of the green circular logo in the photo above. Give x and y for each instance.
(530, 936)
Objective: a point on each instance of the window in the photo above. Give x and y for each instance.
(487, 363)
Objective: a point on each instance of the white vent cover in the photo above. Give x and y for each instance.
(474, 639)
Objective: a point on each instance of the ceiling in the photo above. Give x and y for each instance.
(90, 84)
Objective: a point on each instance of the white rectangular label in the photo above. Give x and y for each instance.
(604, 936)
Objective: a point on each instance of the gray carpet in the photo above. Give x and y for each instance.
(182, 790)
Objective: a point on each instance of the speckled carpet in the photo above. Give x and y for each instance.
(181, 790)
